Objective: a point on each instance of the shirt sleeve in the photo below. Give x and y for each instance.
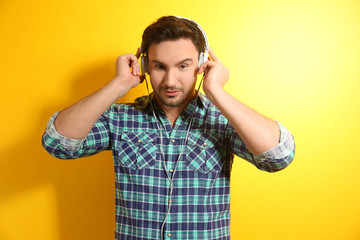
(273, 160)
(63, 147)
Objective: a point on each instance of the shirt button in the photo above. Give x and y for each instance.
(171, 170)
(139, 141)
(172, 140)
(169, 234)
(205, 144)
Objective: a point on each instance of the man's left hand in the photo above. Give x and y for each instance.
(216, 75)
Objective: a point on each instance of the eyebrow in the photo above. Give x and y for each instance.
(185, 60)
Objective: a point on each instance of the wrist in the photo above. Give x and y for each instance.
(213, 93)
(116, 89)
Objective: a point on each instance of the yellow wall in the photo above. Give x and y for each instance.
(297, 61)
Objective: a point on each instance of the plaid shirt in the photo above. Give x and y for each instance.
(161, 182)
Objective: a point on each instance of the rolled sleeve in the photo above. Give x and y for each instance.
(69, 144)
(280, 156)
(68, 148)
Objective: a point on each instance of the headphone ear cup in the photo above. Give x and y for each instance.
(144, 67)
(201, 59)
(206, 57)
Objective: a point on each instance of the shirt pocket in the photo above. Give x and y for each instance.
(205, 152)
(136, 150)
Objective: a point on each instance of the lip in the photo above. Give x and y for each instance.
(171, 93)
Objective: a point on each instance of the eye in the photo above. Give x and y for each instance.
(160, 66)
(183, 66)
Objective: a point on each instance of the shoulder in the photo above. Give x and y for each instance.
(209, 107)
(139, 105)
(212, 116)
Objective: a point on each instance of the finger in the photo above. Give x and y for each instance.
(206, 67)
(138, 53)
(201, 68)
(136, 69)
(213, 56)
(134, 64)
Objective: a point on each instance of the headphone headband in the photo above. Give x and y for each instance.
(206, 47)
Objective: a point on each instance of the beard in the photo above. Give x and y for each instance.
(177, 95)
(182, 98)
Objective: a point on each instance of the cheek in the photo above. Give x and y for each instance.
(155, 78)
(190, 77)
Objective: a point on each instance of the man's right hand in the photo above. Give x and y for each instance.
(127, 72)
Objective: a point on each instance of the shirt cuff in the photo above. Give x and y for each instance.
(70, 144)
(284, 148)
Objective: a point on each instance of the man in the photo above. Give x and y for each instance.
(172, 149)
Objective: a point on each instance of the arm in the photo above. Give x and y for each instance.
(77, 120)
(258, 132)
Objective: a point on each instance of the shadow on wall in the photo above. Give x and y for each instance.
(84, 187)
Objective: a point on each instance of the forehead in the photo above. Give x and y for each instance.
(173, 50)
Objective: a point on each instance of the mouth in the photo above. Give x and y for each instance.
(171, 93)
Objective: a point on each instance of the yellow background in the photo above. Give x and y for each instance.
(296, 61)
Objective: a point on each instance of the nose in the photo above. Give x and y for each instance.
(170, 78)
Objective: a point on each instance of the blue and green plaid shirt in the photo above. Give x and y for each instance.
(155, 172)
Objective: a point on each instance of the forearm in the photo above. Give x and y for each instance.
(258, 132)
(77, 120)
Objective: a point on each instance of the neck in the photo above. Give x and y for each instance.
(173, 113)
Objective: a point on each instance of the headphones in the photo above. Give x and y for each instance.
(203, 56)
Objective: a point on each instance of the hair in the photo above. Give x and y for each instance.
(172, 28)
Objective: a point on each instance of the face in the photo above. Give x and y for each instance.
(173, 67)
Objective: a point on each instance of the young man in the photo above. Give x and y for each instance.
(172, 149)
